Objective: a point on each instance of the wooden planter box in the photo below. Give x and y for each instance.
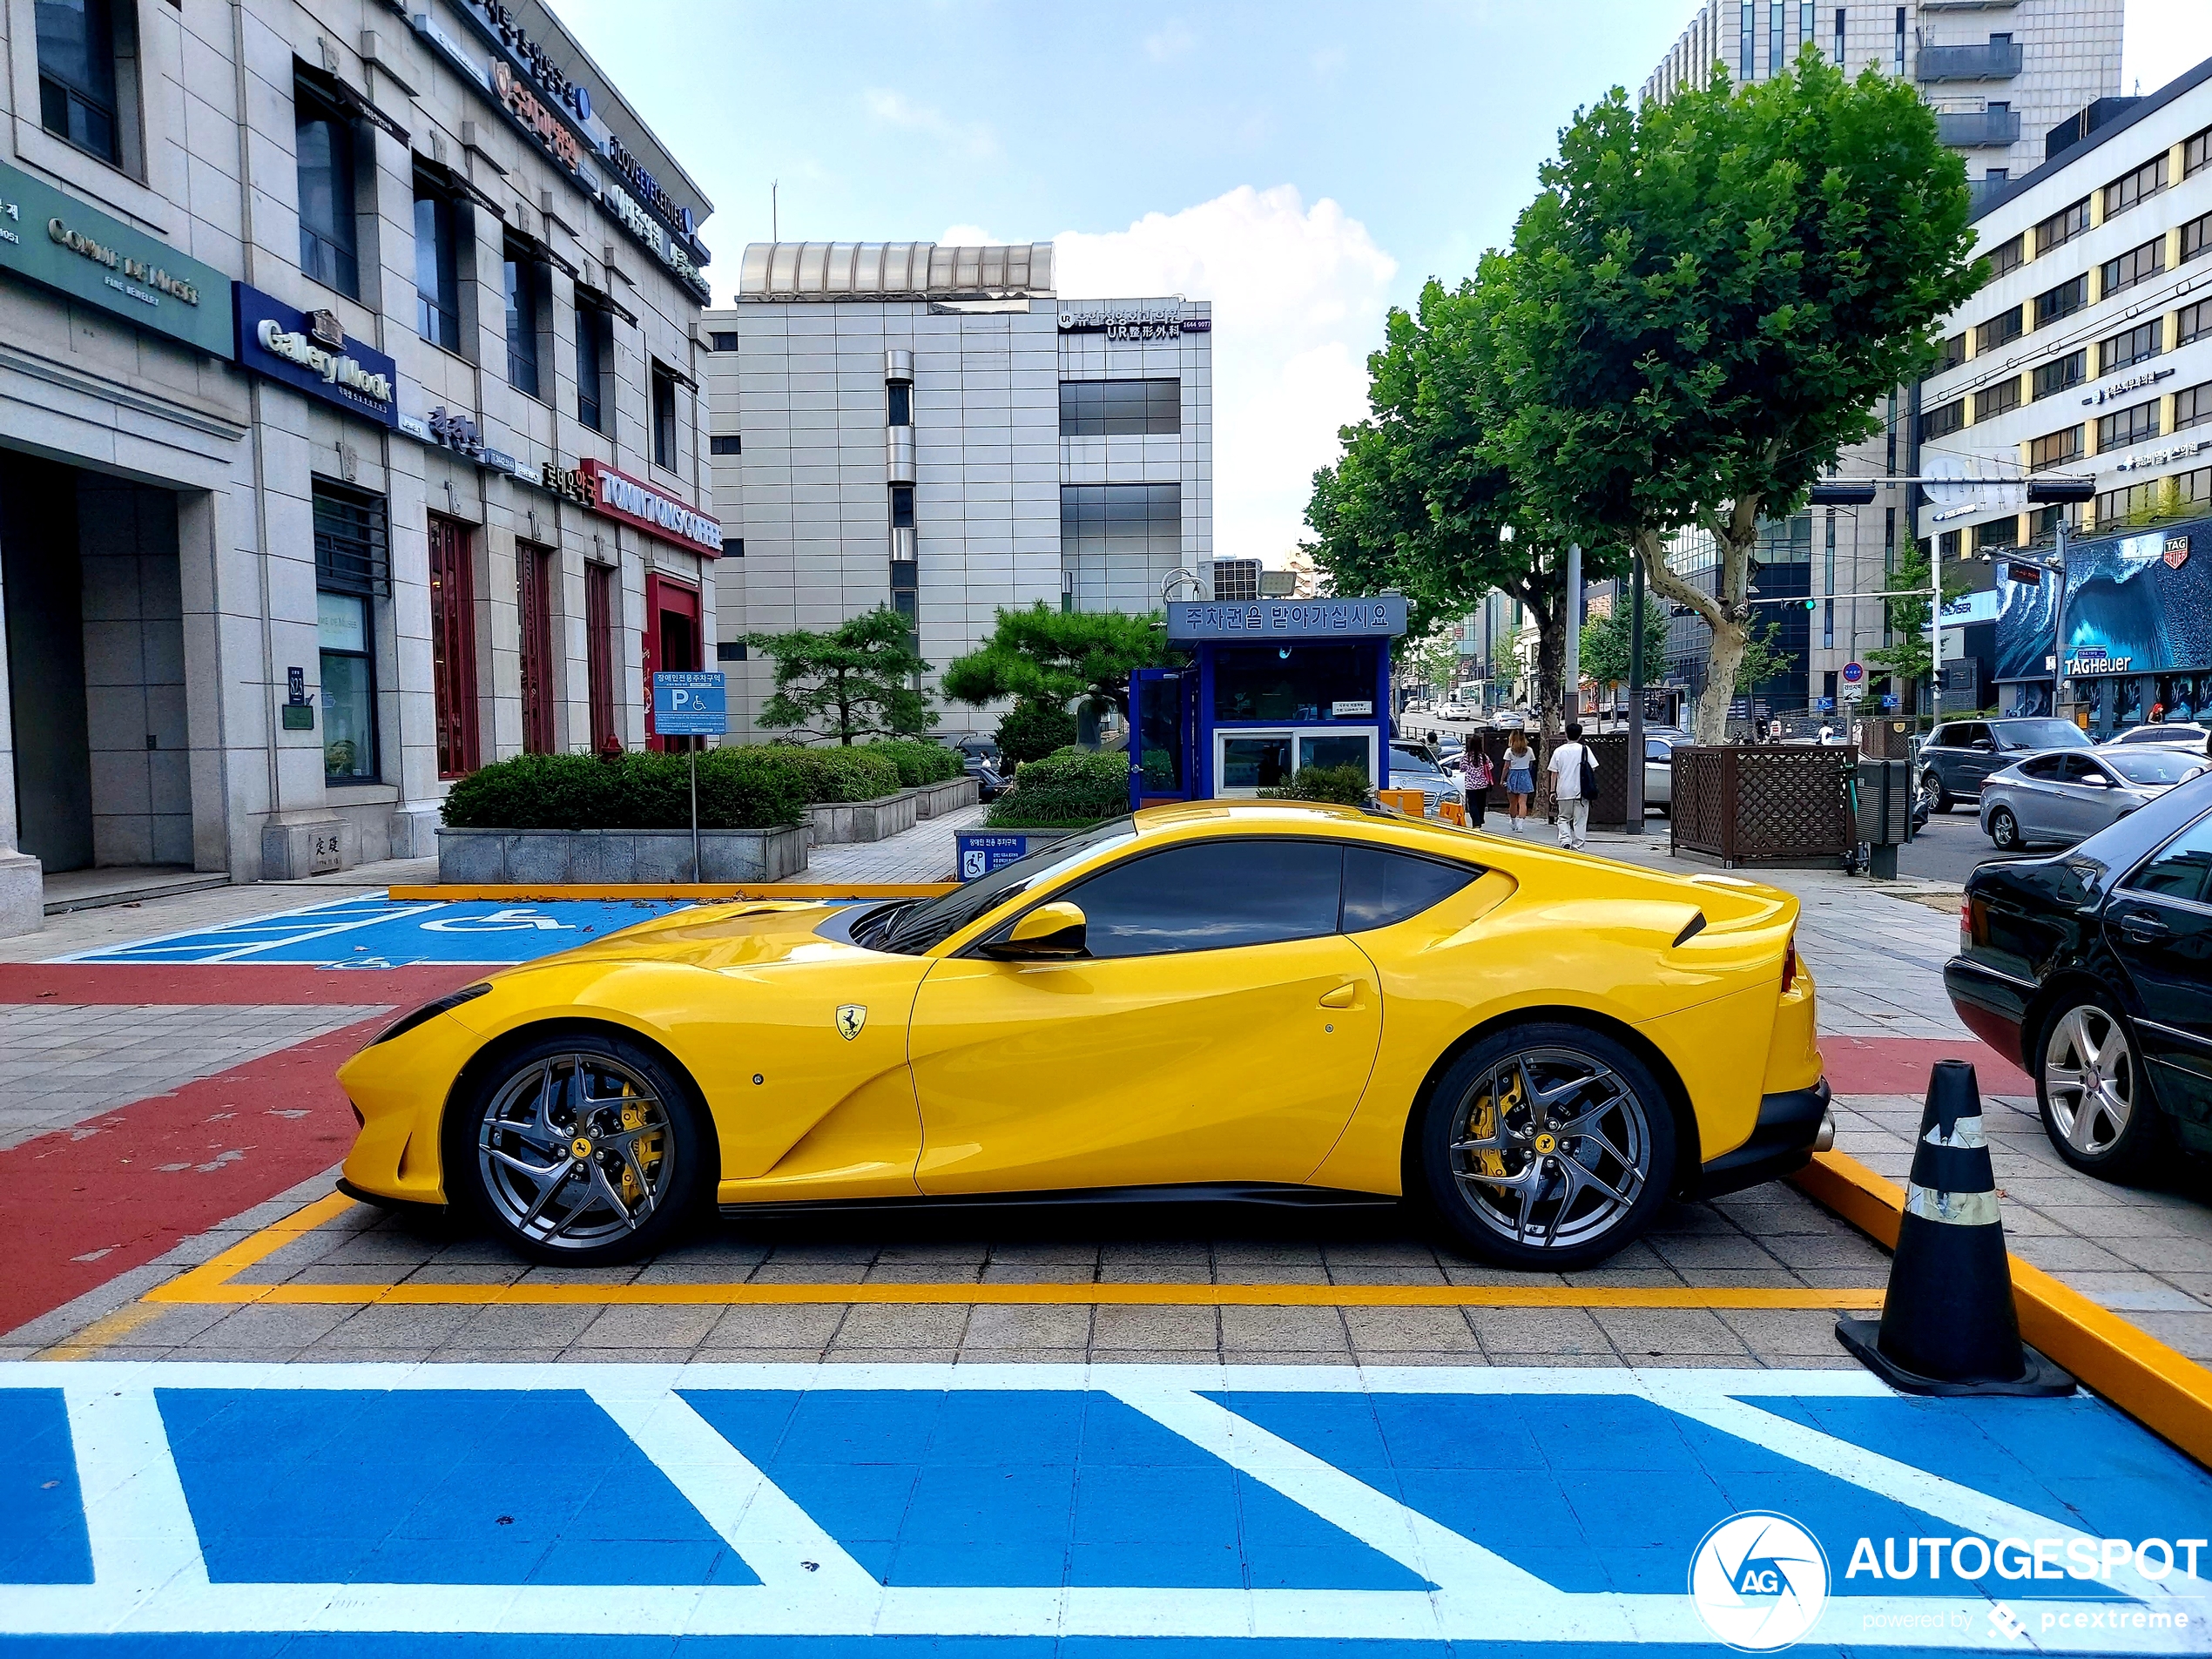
(934, 800)
(863, 820)
(1782, 804)
(618, 857)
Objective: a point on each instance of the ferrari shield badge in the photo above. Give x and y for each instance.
(850, 1019)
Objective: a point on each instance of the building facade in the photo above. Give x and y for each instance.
(935, 429)
(347, 424)
(2088, 353)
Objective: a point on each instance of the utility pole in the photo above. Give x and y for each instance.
(1570, 671)
(1634, 778)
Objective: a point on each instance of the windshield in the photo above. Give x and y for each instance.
(1404, 760)
(2040, 734)
(913, 926)
(2153, 765)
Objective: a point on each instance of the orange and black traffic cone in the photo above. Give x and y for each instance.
(1948, 1324)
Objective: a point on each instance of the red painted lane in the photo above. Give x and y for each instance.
(112, 1194)
(247, 984)
(1900, 1065)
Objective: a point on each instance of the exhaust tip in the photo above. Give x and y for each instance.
(1825, 1139)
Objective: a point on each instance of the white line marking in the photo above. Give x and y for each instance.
(205, 929)
(135, 1515)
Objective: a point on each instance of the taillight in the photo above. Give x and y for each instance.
(1965, 923)
(1790, 965)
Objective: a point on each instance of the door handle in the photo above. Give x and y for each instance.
(2142, 927)
(1343, 997)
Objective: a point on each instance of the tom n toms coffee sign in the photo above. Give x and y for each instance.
(1165, 321)
(637, 503)
(58, 242)
(309, 350)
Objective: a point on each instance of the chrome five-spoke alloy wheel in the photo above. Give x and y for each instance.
(1551, 1148)
(2089, 1080)
(576, 1151)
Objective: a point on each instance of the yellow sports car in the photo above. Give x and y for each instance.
(1261, 999)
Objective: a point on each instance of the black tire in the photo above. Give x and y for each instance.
(2004, 831)
(1563, 1222)
(635, 1131)
(2121, 1135)
(1944, 802)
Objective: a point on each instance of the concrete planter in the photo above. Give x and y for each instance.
(862, 820)
(934, 800)
(619, 857)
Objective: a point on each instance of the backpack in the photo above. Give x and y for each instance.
(1589, 773)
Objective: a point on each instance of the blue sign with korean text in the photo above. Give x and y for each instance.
(1376, 618)
(980, 853)
(691, 704)
(309, 350)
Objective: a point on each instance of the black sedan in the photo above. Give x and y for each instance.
(2095, 967)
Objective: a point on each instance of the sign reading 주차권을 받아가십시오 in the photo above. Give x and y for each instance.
(688, 703)
(309, 350)
(1380, 617)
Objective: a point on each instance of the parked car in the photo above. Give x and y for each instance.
(1659, 770)
(1414, 766)
(1455, 711)
(2092, 968)
(974, 746)
(2166, 734)
(2068, 794)
(1962, 753)
(989, 785)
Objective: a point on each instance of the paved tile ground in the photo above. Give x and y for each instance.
(922, 853)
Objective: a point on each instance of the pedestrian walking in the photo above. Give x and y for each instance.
(1573, 781)
(1521, 781)
(1475, 779)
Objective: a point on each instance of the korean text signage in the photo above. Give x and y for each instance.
(58, 242)
(309, 350)
(1288, 619)
(689, 703)
(619, 496)
(1163, 321)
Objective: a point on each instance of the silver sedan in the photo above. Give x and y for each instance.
(2066, 794)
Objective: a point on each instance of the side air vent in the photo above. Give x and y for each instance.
(1691, 930)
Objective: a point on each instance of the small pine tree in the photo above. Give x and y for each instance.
(853, 682)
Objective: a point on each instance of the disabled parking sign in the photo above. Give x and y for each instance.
(691, 704)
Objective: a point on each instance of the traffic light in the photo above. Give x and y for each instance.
(1843, 492)
(1812, 604)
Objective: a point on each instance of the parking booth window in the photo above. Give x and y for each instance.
(1212, 896)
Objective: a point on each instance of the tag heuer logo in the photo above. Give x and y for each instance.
(850, 1019)
(2177, 551)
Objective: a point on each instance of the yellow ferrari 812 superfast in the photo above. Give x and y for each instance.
(1264, 1000)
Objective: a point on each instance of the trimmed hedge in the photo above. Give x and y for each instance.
(838, 772)
(919, 761)
(742, 788)
(1072, 787)
(1345, 786)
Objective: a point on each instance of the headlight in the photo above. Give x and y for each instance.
(407, 1022)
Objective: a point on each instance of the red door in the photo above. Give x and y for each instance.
(453, 646)
(599, 648)
(533, 576)
(671, 645)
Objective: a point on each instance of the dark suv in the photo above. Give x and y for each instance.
(1960, 754)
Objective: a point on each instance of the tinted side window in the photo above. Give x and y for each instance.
(1382, 887)
(1943, 736)
(2182, 868)
(1211, 896)
(2041, 766)
(2078, 770)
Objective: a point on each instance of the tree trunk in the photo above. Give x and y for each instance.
(1544, 594)
(1724, 611)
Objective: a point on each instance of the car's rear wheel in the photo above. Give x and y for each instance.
(581, 1148)
(2096, 1104)
(2004, 831)
(1545, 1145)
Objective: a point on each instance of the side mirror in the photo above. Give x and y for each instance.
(1983, 746)
(1051, 932)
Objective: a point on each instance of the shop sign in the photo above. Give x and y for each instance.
(1163, 321)
(2132, 383)
(1305, 619)
(426, 24)
(2160, 457)
(547, 128)
(568, 483)
(637, 504)
(458, 433)
(309, 350)
(55, 240)
(2095, 659)
(2177, 552)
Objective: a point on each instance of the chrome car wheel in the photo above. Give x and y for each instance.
(576, 1151)
(1551, 1148)
(2004, 830)
(2089, 1080)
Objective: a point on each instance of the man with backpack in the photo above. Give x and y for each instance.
(1573, 781)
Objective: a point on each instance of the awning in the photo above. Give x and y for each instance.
(356, 104)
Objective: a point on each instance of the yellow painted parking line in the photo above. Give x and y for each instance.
(216, 1283)
(102, 1334)
(795, 892)
(2161, 1388)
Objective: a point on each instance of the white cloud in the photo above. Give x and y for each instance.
(969, 236)
(2163, 39)
(1298, 296)
(1171, 42)
(972, 138)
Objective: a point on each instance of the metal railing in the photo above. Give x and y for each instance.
(1997, 60)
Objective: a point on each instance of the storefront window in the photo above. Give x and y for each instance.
(348, 689)
(1254, 761)
(1293, 682)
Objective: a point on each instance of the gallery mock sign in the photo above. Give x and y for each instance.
(56, 241)
(639, 505)
(309, 350)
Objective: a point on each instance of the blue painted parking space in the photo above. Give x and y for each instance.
(193, 1509)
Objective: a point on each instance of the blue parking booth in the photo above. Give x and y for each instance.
(1275, 686)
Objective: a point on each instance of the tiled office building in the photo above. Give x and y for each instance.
(347, 421)
(935, 428)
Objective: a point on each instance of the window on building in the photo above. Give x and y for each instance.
(902, 507)
(2182, 495)
(898, 404)
(1999, 532)
(1112, 408)
(599, 651)
(905, 595)
(525, 278)
(1943, 419)
(2132, 345)
(2062, 301)
(79, 80)
(1748, 63)
(2062, 227)
(2197, 238)
(1954, 352)
(1776, 55)
(595, 356)
(353, 568)
(1839, 36)
(2134, 265)
(2000, 330)
(2193, 407)
(2196, 153)
(2129, 425)
(1102, 521)
(323, 144)
(453, 646)
(721, 341)
(2007, 256)
(727, 444)
(2061, 373)
(537, 571)
(2055, 448)
(1995, 400)
(1899, 51)
(1829, 585)
(2125, 191)
(664, 417)
(2193, 322)
(1828, 625)
(437, 276)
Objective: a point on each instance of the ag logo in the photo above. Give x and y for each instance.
(850, 1019)
(1759, 1581)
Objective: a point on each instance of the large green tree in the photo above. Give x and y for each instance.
(1606, 640)
(1704, 304)
(1054, 657)
(855, 681)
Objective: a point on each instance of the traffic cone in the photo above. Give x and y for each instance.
(1948, 1326)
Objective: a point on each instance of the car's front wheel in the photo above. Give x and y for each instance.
(582, 1148)
(2004, 831)
(1546, 1146)
(2096, 1106)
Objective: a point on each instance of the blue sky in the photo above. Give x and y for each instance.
(1302, 166)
